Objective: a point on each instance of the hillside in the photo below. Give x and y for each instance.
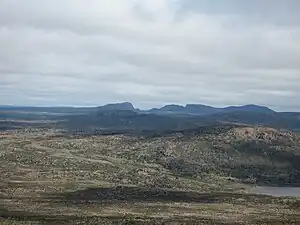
(195, 176)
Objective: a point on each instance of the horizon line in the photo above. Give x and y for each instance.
(95, 106)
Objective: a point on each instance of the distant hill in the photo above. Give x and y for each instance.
(123, 116)
(46, 110)
(198, 109)
(248, 108)
(117, 106)
(192, 109)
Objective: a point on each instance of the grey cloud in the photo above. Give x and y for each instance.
(148, 52)
(278, 12)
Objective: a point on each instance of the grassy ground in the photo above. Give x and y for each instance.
(47, 178)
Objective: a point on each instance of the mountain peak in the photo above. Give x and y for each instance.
(117, 106)
(172, 107)
(250, 107)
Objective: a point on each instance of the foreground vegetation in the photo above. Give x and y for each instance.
(201, 176)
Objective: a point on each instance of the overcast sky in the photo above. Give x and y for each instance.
(150, 52)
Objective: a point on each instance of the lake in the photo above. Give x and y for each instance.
(277, 191)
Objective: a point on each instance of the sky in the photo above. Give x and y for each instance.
(150, 52)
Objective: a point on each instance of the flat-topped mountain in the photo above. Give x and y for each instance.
(117, 106)
(198, 109)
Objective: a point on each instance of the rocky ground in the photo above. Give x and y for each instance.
(48, 177)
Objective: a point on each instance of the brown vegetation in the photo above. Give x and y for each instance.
(51, 178)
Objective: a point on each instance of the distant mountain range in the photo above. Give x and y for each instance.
(197, 109)
(190, 109)
(124, 116)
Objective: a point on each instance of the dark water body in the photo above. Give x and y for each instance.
(277, 191)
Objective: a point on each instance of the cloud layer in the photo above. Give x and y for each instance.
(150, 52)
